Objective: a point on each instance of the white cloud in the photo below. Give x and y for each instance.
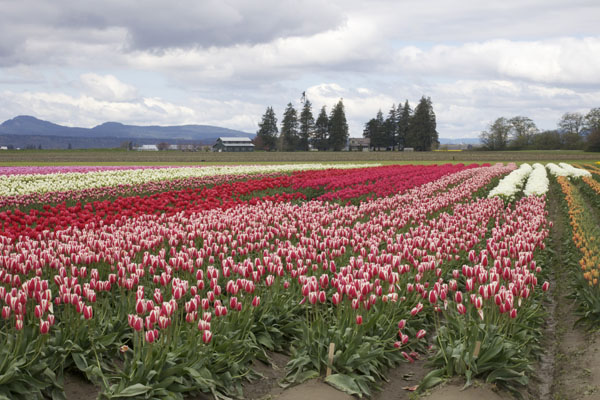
(558, 61)
(107, 87)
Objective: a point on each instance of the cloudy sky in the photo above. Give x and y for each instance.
(222, 62)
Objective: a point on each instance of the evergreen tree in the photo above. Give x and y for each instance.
(374, 130)
(307, 126)
(266, 136)
(338, 127)
(378, 139)
(289, 129)
(320, 138)
(422, 127)
(403, 115)
(390, 129)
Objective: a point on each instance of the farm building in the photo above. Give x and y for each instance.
(359, 144)
(147, 147)
(233, 144)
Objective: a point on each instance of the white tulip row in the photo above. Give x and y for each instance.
(538, 182)
(16, 185)
(537, 179)
(564, 169)
(512, 183)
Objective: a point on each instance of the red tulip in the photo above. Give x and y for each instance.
(359, 319)
(335, 299)
(44, 327)
(206, 336)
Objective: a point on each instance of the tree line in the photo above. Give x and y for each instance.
(404, 128)
(302, 132)
(574, 131)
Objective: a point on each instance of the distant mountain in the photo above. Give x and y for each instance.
(26, 130)
(459, 141)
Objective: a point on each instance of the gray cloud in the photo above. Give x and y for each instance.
(223, 61)
(155, 26)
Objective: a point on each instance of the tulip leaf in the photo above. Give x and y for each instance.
(133, 390)
(344, 383)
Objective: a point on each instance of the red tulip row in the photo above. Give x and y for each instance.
(225, 193)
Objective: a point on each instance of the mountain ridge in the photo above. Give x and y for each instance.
(29, 125)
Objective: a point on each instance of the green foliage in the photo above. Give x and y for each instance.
(266, 136)
(320, 139)
(338, 127)
(422, 134)
(289, 129)
(307, 126)
(496, 138)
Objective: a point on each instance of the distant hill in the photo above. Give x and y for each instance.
(24, 130)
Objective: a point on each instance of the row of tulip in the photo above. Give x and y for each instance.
(13, 185)
(566, 170)
(300, 185)
(271, 247)
(586, 239)
(62, 169)
(511, 184)
(538, 183)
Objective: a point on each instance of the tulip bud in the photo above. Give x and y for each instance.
(458, 297)
(88, 312)
(255, 301)
(206, 336)
(322, 297)
(432, 296)
(44, 327)
(233, 302)
(359, 319)
(335, 299)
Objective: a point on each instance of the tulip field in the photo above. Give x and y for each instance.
(165, 282)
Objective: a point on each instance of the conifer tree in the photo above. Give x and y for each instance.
(320, 138)
(289, 129)
(307, 126)
(338, 127)
(266, 136)
(403, 115)
(422, 128)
